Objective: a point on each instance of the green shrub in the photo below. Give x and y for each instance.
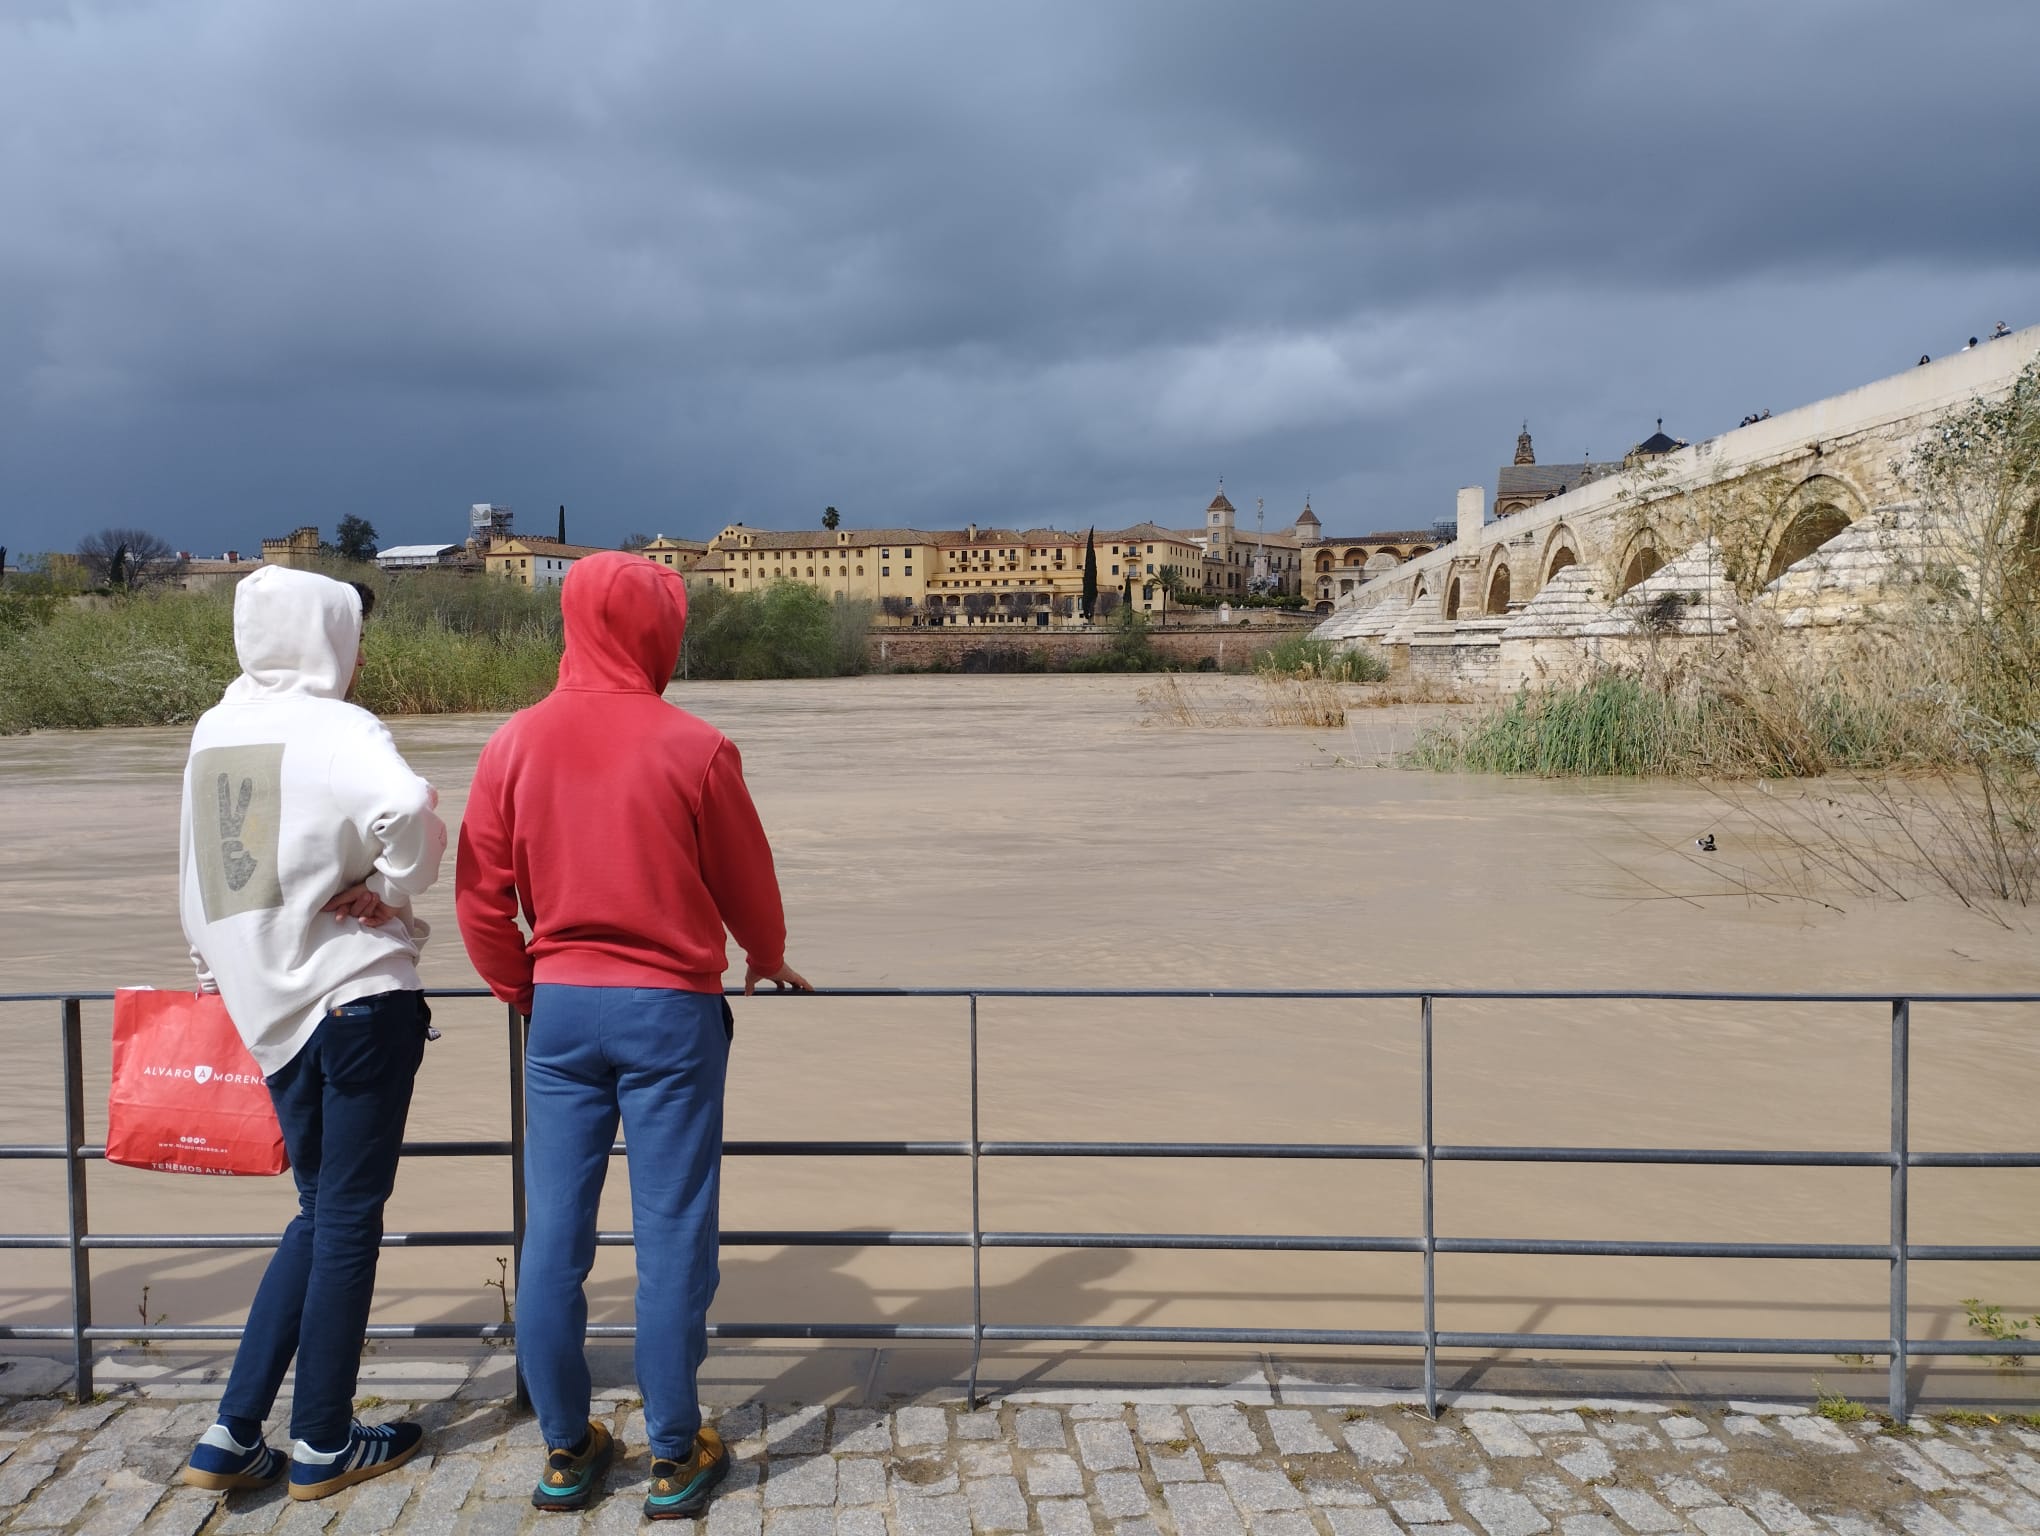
(1129, 650)
(1302, 656)
(788, 630)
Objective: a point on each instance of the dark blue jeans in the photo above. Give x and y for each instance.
(342, 1102)
(657, 1059)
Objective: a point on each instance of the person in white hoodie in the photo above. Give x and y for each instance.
(304, 838)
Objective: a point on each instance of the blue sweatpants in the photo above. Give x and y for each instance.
(657, 1059)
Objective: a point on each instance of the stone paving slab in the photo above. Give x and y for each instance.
(1091, 1467)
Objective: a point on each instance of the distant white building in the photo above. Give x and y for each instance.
(416, 557)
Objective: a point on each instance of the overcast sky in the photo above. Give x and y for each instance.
(268, 262)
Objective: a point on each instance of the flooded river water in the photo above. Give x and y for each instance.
(1040, 831)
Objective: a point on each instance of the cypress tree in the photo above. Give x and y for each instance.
(1090, 574)
(563, 523)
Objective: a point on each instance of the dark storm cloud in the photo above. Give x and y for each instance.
(264, 263)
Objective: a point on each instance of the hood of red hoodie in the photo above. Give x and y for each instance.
(624, 618)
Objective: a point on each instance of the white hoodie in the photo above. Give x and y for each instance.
(291, 795)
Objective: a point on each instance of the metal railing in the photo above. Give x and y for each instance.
(79, 1242)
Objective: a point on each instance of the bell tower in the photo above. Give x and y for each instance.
(1218, 525)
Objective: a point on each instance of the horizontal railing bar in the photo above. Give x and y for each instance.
(173, 1241)
(1698, 1156)
(1974, 1346)
(1204, 1241)
(1250, 994)
(1616, 1249)
(1361, 1151)
(1147, 1241)
(1079, 1333)
(1217, 1149)
(1402, 1337)
(843, 1148)
(1654, 1344)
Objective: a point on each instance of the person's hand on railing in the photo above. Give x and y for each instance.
(786, 978)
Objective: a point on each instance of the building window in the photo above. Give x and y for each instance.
(1115, 570)
(885, 570)
(860, 570)
(733, 581)
(910, 570)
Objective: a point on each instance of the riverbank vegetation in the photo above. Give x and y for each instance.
(437, 643)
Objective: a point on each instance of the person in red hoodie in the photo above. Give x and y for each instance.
(621, 828)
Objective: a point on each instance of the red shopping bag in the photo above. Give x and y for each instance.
(187, 1097)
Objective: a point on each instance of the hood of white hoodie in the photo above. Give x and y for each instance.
(295, 633)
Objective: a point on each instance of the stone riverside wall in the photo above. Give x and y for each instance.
(1233, 647)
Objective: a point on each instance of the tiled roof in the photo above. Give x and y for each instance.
(1547, 479)
(823, 538)
(1220, 504)
(550, 547)
(1397, 536)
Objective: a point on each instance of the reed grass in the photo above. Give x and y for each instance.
(1301, 656)
(164, 659)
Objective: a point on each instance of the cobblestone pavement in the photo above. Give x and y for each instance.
(1107, 1468)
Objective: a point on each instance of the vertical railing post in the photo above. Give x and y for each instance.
(977, 1277)
(74, 1184)
(1430, 1230)
(1901, 1152)
(517, 1208)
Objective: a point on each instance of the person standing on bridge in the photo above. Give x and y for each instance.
(304, 838)
(621, 828)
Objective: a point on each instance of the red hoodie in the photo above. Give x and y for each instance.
(620, 824)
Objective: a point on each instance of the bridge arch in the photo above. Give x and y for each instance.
(1452, 599)
(1498, 589)
(1639, 559)
(1818, 509)
(1561, 549)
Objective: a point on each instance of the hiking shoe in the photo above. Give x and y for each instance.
(680, 1489)
(220, 1463)
(371, 1450)
(569, 1480)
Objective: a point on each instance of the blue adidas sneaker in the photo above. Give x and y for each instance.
(220, 1463)
(370, 1451)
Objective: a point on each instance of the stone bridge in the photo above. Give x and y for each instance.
(1807, 512)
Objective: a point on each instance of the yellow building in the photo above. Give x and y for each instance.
(533, 562)
(676, 554)
(298, 548)
(965, 576)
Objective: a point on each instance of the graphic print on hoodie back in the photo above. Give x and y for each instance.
(291, 795)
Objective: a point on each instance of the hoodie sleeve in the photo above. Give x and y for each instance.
(485, 890)
(376, 788)
(736, 862)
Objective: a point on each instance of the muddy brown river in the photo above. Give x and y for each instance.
(1048, 831)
